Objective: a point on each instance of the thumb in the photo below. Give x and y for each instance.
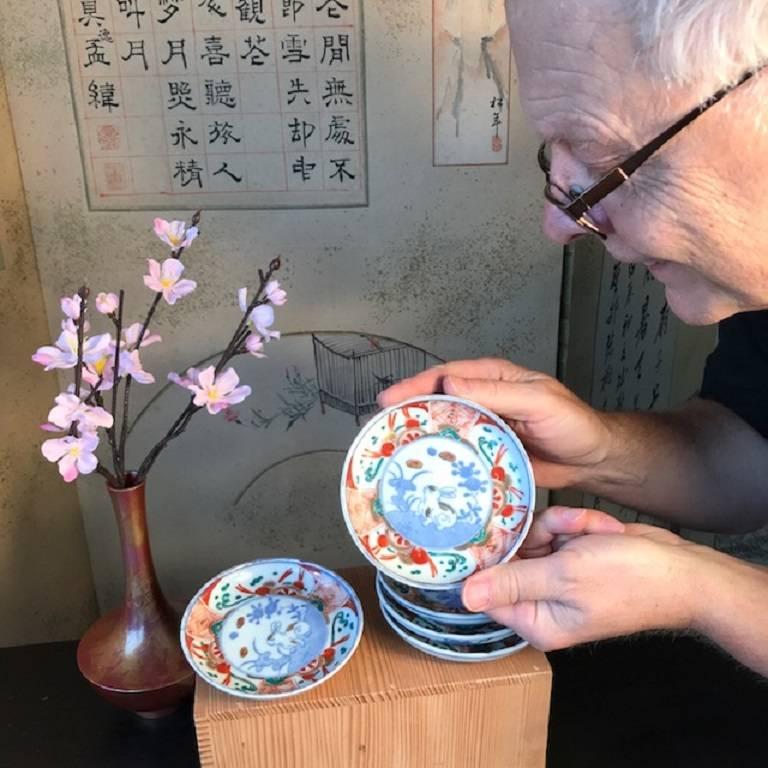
(511, 583)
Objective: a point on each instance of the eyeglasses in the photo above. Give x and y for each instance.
(576, 202)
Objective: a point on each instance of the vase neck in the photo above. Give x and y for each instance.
(130, 512)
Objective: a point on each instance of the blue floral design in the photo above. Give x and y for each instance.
(260, 611)
(467, 473)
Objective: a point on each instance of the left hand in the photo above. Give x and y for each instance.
(584, 576)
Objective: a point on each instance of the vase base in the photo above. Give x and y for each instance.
(152, 680)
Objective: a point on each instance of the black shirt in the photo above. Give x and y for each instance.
(736, 373)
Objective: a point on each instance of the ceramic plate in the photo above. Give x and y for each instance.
(436, 488)
(443, 631)
(455, 651)
(418, 600)
(271, 628)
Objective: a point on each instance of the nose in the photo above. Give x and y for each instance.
(558, 226)
(566, 171)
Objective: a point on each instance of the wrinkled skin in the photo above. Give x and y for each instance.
(697, 212)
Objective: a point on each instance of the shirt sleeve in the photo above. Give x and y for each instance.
(736, 373)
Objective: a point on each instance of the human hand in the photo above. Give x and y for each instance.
(583, 576)
(565, 438)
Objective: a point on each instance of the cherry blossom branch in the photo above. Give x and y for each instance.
(241, 332)
(235, 347)
(144, 328)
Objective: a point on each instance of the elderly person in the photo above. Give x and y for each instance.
(652, 117)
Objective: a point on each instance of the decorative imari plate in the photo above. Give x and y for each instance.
(436, 488)
(442, 605)
(446, 632)
(271, 628)
(454, 651)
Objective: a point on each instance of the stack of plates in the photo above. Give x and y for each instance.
(434, 490)
(435, 623)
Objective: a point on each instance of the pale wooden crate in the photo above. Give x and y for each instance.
(391, 706)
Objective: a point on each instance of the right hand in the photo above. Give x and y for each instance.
(565, 438)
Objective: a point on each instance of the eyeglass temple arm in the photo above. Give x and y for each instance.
(621, 173)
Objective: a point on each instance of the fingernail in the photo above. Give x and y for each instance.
(453, 386)
(573, 514)
(476, 595)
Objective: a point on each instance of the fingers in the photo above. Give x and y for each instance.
(534, 578)
(562, 523)
(514, 582)
(431, 380)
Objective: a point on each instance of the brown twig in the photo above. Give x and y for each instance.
(83, 294)
(80, 325)
(117, 456)
(102, 470)
(176, 429)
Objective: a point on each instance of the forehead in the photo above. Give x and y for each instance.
(577, 71)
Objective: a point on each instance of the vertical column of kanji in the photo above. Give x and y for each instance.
(137, 59)
(217, 92)
(97, 73)
(260, 104)
(180, 94)
(222, 95)
(299, 103)
(337, 42)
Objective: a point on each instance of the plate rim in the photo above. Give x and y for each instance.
(440, 653)
(479, 639)
(462, 401)
(269, 696)
(438, 615)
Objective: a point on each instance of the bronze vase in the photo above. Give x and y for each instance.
(132, 656)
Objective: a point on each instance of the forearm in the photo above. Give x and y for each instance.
(732, 608)
(700, 467)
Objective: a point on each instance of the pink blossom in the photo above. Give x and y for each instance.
(175, 233)
(69, 408)
(64, 354)
(130, 365)
(254, 344)
(261, 317)
(70, 306)
(74, 454)
(190, 380)
(218, 392)
(242, 299)
(107, 303)
(275, 294)
(166, 279)
(131, 336)
(100, 376)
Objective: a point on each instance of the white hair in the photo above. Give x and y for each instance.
(695, 40)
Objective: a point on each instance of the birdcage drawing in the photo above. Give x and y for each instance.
(352, 368)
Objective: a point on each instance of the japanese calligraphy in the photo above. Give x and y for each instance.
(219, 103)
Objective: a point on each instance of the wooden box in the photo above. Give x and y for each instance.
(391, 706)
